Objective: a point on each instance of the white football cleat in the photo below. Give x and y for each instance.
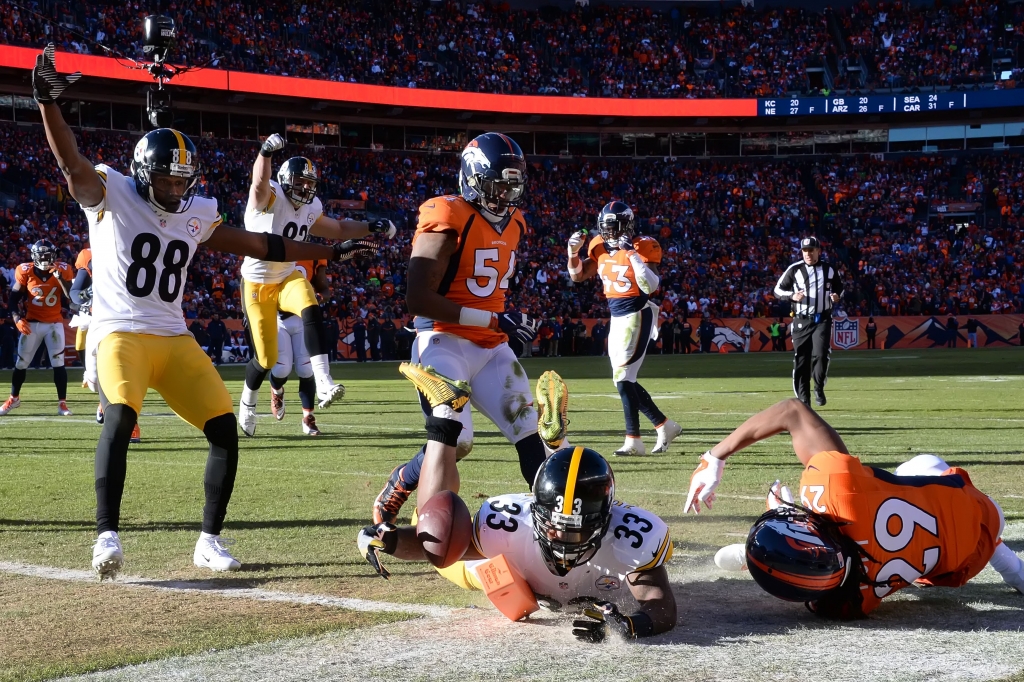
(10, 404)
(633, 447)
(732, 557)
(667, 433)
(328, 394)
(211, 552)
(309, 425)
(107, 555)
(99, 414)
(247, 419)
(62, 409)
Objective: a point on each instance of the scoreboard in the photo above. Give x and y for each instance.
(889, 104)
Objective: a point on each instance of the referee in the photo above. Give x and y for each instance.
(812, 287)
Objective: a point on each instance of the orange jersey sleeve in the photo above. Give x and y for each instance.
(648, 248)
(307, 267)
(44, 302)
(84, 260)
(481, 267)
(937, 530)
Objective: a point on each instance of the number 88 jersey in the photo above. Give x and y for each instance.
(636, 540)
(278, 217)
(141, 257)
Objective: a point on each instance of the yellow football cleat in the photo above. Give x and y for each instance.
(435, 387)
(552, 406)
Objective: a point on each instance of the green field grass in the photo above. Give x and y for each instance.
(299, 502)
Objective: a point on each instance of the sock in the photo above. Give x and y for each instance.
(221, 466)
(204, 535)
(630, 406)
(531, 455)
(411, 470)
(648, 407)
(1005, 560)
(17, 380)
(111, 464)
(60, 380)
(276, 382)
(314, 331)
(321, 370)
(307, 393)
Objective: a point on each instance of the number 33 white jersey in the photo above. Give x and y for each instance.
(636, 540)
(141, 257)
(279, 217)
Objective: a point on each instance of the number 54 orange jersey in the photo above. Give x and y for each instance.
(933, 530)
(481, 267)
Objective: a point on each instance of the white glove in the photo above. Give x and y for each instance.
(576, 242)
(273, 143)
(625, 242)
(703, 482)
(779, 495)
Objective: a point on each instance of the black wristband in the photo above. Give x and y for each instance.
(265, 153)
(390, 540)
(642, 624)
(444, 430)
(275, 249)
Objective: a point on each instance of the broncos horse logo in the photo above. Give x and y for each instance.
(727, 335)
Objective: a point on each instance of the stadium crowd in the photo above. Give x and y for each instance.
(728, 227)
(593, 50)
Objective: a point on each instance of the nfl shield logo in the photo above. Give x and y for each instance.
(845, 333)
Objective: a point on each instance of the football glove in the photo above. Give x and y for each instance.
(604, 616)
(703, 482)
(273, 143)
(778, 496)
(47, 84)
(355, 247)
(372, 540)
(23, 326)
(519, 326)
(576, 242)
(383, 226)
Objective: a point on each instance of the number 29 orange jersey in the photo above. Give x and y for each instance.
(481, 267)
(84, 260)
(617, 276)
(934, 530)
(43, 304)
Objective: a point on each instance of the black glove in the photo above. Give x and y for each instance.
(381, 221)
(355, 247)
(47, 84)
(605, 616)
(519, 326)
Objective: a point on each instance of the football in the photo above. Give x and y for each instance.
(444, 528)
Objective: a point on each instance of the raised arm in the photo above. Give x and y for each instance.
(331, 228)
(579, 269)
(259, 190)
(84, 183)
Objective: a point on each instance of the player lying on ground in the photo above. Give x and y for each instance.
(570, 540)
(145, 228)
(860, 533)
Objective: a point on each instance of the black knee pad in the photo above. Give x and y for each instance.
(222, 431)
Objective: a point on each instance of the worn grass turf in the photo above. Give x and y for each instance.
(298, 501)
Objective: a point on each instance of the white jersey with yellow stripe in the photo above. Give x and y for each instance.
(140, 258)
(280, 217)
(636, 540)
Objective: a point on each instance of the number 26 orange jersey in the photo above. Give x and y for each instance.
(617, 276)
(481, 267)
(43, 304)
(935, 530)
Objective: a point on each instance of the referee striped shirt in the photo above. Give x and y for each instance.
(817, 281)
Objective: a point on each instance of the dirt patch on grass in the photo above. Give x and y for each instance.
(49, 628)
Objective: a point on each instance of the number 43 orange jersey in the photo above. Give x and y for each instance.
(617, 276)
(43, 304)
(481, 267)
(933, 530)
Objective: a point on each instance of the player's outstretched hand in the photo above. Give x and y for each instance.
(23, 326)
(47, 84)
(273, 143)
(372, 540)
(576, 242)
(383, 226)
(355, 247)
(517, 325)
(602, 617)
(703, 482)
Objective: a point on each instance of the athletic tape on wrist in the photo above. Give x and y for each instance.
(471, 317)
(444, 430)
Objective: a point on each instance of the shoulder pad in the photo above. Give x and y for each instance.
(648, 248)
(596, 247)
(640, 539)
(442, 214)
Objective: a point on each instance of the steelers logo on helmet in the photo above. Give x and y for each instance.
(492, 174)
(795, 556)
(166, 170)
(299, 178)
(616, 220)
(44, 254)
(573, 493)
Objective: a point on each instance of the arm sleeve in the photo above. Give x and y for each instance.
(15, 299)
(838, 285)
(81, 283)
(784, 287)
(646, 279)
